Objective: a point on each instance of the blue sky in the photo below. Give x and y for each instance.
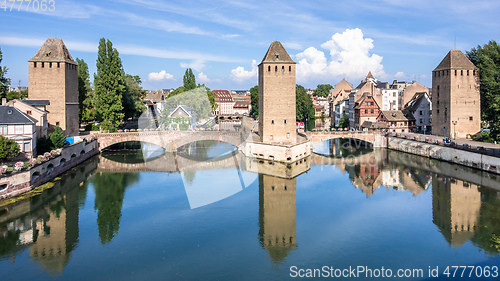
(224, 40)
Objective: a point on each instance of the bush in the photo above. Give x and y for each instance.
(43, 145)
(57, 138)
(8, 148)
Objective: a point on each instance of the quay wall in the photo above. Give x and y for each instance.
(19, 182)
(444, 153)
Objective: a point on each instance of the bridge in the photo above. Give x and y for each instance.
(376, 139)
(170, 140)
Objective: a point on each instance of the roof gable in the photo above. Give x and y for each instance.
(277, 53)
(12, 115)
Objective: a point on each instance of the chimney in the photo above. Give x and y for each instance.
(4, 101)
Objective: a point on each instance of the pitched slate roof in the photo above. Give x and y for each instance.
(53, 50)
(369, 75)
(36, 102)
(455, 59)
(413, 104)
(277, 53)
(12, 115)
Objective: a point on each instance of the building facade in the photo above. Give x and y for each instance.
(420, 106)
(456, 104)
(19, 127)
(53, 76)
(277, 111)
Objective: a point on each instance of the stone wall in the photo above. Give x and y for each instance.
(20, 182)
(453, 155)
(274, 152)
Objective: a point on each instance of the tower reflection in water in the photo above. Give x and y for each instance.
(277, 215)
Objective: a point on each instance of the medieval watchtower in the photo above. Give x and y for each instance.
(53, 76)
(277, 96)
(456, 108)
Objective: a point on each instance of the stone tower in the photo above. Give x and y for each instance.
(277, 96)
(53, 76)
(456, 109)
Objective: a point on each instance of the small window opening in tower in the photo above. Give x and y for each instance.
(283, 69)
(289, 68)
(269, 68)
(276, 68)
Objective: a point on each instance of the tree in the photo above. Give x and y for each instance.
(304, 104)
(323, 90)
(12, 95)
(211, 96)
(109, 86)
(43, 144)
(254, 96)
(86, 110)
(57, 138)
(177, 91)
(133, 105)
(8, 148)
(487, 59)
(189, 80)
(4, 81)
(344, 121)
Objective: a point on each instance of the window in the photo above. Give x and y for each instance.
(57, 123)
(470, 118)
(462, 72)
(372, 110)
(269, 68)
(455, 72)
(283, 68)
(290, 68)
(58, 65)
(366, 111)
(421, 113)
(272, 121)
(284, 121)
(3, 129)
(19, 129)
(43, 64)
(276, 69)
(438, 111)
(50, 65)
(421, 121)
(34, 64)
(27, 146)
(467, 72)
(28, 112)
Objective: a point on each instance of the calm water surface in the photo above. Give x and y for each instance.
(194, 216)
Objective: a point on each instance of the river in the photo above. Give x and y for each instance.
(208, 213)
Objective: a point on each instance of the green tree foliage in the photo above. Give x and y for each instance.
(8, 148)
(254, 97)
(177, 91)
(304, 104)
(133, 105)
(12, 95)
(109, 86)
(189, 80)
(323, 90)
(86, 111)
(109, 191)
(43, 144)
(344, 121)
(196, 99)
(487, 59)
(57, 138)
(4, 81)
(211, 96)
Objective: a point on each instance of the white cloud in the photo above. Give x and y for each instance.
(158, 76)
(197, 65)
(400, 75)
(203, 78)
(349, 57)
(239, 74)
(229, 36)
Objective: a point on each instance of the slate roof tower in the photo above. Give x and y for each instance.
(53, 76)
(456, 106)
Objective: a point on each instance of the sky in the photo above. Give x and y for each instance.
(223, 41)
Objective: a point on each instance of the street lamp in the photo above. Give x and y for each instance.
(454, 129)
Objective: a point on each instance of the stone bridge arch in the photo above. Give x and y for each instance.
(369, 137)
(170, 140)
